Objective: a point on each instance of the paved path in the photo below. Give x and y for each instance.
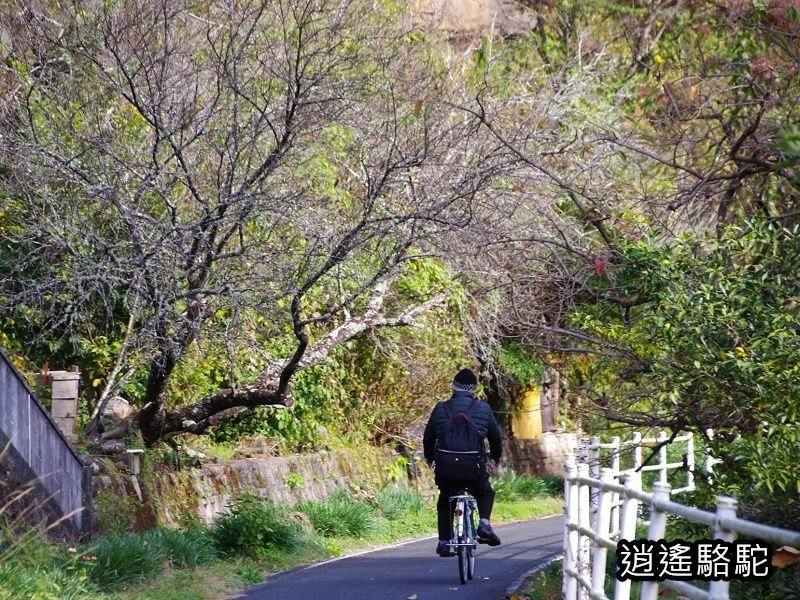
(413, 570)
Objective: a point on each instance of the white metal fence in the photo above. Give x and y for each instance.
(622, 456)
(587, 540)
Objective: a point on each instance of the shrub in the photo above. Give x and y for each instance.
(124, 559)
(253, 526)
(340, 515)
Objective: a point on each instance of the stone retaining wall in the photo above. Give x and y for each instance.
(166, 497)
(542, 456)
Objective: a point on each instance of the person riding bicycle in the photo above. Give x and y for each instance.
(463, 411)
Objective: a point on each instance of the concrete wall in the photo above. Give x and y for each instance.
(38, 450)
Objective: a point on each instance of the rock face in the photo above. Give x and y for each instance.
(472, 18)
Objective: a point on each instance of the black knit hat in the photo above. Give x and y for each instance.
(465, 381)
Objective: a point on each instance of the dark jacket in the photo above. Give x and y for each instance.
(483, 418)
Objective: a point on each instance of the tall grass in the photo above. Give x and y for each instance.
(120, 560)
(190, 548)
(340, 515)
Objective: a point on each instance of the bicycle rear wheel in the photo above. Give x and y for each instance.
(471, 537)
(463, 563)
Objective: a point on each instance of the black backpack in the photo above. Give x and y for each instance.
(460, 453)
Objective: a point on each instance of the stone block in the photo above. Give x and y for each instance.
(65, 384)
(64, 408)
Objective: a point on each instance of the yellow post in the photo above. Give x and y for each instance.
(526, 422)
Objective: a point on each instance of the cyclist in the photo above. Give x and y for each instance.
(463, 401)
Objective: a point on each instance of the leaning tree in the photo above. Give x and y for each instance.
(183, 174)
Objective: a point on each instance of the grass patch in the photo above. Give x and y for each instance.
(397, 503)
(511, 486)
(340, 516)
(522, 510)
(544, 585)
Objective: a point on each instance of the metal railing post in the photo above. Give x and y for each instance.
(594, 469)
(583, 450)
(614, 523)
(600, 552)
(658, 527)
(726, 508)
(630, 514)
(584, 518)
(569, 587)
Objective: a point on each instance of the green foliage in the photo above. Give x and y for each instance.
(789, 146)
(716, 347)
(253, 527)
(249, 574)
(371, 387)
(320, 401)
(521, 363)
(294, 480)
(114, 512)
(511, 486)
(340, 515)
(398, 470)
(43, 583)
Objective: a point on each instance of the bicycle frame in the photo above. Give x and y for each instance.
(463, 508)
(464, 539)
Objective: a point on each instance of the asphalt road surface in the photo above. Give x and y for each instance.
(413, 570)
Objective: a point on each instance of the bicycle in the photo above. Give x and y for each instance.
(464, 537)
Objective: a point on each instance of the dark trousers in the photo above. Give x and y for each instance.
(480, 488)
